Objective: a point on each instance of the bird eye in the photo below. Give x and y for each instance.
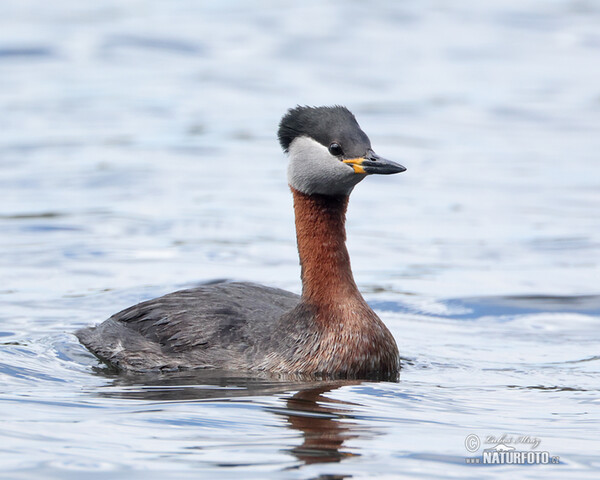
(335, 149)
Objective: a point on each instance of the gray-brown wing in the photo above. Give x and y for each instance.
(209, 326)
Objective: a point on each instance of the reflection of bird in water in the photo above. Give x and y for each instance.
(321, 425)
(324, 426)
(329, 330)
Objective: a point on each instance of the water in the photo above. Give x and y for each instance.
(138, 156)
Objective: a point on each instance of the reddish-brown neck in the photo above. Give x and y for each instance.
(320, 230)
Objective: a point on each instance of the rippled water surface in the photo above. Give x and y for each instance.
(138, 155)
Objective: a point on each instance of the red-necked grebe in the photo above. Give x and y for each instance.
(329, 330)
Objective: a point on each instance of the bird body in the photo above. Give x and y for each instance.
(329, 330)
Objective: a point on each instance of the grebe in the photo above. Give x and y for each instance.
(329, 330)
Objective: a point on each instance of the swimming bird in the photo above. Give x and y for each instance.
(327, 331)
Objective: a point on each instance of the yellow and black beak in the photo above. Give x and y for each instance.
(372, 163)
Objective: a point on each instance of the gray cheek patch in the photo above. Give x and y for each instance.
(312, 169)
